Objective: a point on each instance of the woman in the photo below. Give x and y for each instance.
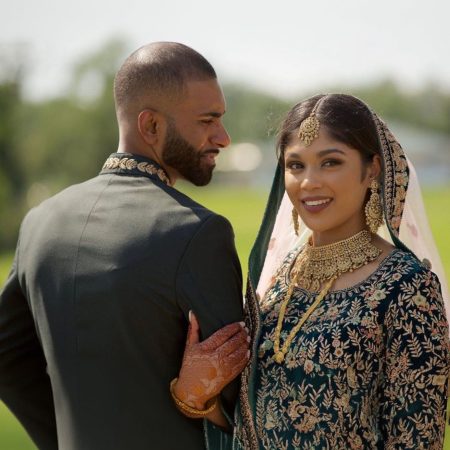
(350, 338)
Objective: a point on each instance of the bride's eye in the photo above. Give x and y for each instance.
(294, 165)
(331, 163)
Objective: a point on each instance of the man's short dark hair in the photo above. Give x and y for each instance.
(160, 68)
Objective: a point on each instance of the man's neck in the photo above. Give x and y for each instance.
(151, 154)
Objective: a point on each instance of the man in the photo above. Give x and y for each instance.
(93, 317)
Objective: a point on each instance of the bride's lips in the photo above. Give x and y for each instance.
(316, 204)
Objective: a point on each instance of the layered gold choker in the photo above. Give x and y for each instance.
(320, 266)
(316, 265)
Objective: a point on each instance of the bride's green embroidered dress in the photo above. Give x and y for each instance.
(355, 377)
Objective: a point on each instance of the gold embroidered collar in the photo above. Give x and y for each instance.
(127, 163)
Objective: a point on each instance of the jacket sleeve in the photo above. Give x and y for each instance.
(24, 384)
(414, 388)
(209, 282)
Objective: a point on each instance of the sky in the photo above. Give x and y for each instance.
(283, 47)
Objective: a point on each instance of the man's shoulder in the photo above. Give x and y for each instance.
(182, 200)
(143, 204)
(190, 211)
(69, 197)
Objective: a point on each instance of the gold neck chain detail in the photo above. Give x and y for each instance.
(321, 266)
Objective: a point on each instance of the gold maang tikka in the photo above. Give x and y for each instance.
(309, 128)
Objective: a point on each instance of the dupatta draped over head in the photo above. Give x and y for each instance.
(406, 227)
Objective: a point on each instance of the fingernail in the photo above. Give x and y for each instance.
(247, 330)
(248, 339)
(242, 324)
(248, 354)
(190, 315)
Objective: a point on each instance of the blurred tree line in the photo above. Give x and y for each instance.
(47, 145)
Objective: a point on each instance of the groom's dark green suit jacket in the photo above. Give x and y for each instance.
(93, 316)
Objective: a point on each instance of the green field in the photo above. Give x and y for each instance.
(244, 209)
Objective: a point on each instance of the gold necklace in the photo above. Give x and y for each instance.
(317, 266)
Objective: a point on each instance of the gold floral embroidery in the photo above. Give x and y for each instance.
(439, 380)
(401, 179)
(131, 164)
(396, 175)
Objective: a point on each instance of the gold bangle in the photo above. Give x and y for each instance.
(189, 410)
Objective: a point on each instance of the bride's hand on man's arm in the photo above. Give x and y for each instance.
(208, 366)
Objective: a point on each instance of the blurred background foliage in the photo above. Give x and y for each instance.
(46, 145)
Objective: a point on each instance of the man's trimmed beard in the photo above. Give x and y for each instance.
(185, 159)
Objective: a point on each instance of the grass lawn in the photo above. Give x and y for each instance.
(244, 209)
(12, 436)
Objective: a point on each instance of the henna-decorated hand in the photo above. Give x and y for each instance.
(210, 365)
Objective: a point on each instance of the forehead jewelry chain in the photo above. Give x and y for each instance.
(316, 266)
(309, 128)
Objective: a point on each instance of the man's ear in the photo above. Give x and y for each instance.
(150, 126)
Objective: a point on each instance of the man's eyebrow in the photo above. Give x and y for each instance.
(212, 114)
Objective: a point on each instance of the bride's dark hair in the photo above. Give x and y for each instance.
(346, 119)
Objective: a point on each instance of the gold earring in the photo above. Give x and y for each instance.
(373, 209)
(295, 220)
